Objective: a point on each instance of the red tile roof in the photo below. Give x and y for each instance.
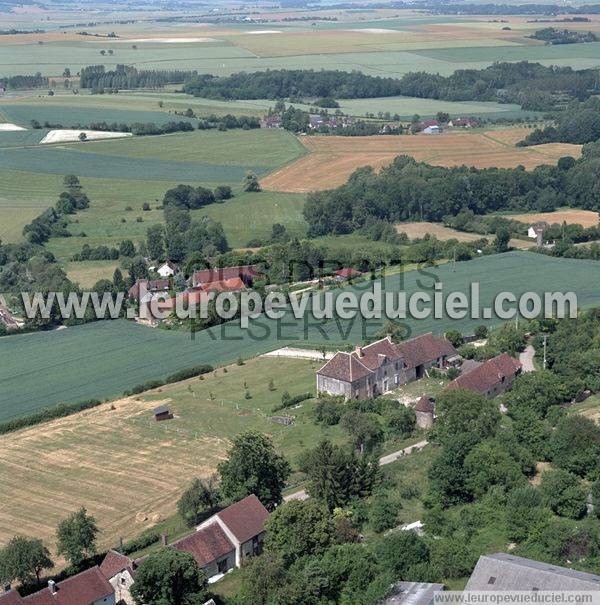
(12, 597)
(347, 273)
(233, 284)
(424, 405)
(349, 367)
(374, 355)
(245, 272)
(487, 375)
(85, 588)
(245, 519)
(206, 545)
(424, 349)
(115, 563)
(344, 366)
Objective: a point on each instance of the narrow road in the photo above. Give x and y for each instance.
(388, 459)
(526, 359)
(295, 353)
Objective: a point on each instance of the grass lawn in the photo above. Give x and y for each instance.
(353, 243)
(87, 273)
(129, 470)
(251, 215)
(414, 390)
(406, 474)
(590, 408)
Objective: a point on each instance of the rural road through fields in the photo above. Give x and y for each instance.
(388, 459)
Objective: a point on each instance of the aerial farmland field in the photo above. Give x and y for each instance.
(84, 459)
(46, 368)
(571, 216)
(332, 159)
(127, 173)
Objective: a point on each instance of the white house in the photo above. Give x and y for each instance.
(167, 269)
(226, 539)
(432, 130)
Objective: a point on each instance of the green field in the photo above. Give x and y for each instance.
(129, 172)
(103, 359)
(371, 55)
(407, 107)
(252, 215)
(72, 113)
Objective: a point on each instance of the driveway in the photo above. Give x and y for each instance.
(388, 459)
(526, 359)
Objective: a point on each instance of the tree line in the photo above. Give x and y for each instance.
(127, 77)
(530, 85)
(408, 190)
(284, 83)
(137, 128)
(21, 82)
(578, 123)
(552, 35)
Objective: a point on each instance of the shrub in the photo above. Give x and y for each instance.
(288, 402)
(58, 411)
(328, 412)
(189, 373)
(140, 542)
(453, 373)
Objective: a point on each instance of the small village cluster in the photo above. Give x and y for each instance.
(110, 583)
(200, 284)
(219, 544)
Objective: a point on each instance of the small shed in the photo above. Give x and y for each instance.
(162, 412)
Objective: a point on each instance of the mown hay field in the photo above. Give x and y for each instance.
(104, 359)
(127, 469)
(332, 158)
(571, 216)
(421, 229)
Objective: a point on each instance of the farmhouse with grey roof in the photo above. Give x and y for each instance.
(507, 572)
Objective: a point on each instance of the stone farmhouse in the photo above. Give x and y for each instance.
(383, 365)
(119, 570)
(491, 378)
(89, 587)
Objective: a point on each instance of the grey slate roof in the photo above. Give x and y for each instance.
(507, 572)
(412, 593)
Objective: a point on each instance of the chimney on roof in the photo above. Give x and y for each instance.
(164, 538)
(359, 351)
(52, 586)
